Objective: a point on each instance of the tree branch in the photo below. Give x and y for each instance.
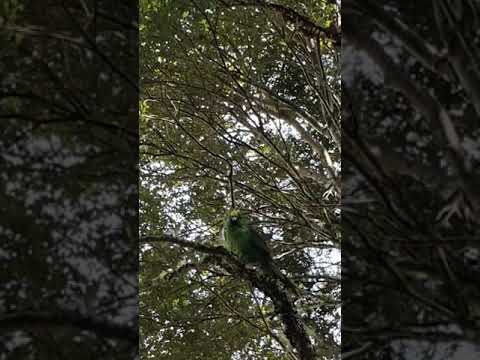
(294, 327)
(306, 25)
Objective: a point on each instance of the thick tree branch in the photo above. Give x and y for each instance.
(306, 25)
(219, 250)
(274, 289)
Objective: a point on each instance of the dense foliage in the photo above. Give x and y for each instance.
(241, 97)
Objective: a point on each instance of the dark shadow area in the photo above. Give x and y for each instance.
(410, 170)
(68, 180)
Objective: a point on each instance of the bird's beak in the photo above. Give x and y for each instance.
(234, 218)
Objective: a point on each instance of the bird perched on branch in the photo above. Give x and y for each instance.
(244, 241)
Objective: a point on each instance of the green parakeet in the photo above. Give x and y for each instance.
(241, 239)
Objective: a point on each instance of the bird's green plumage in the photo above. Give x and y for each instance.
(241, 239)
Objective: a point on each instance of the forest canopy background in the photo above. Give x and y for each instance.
(247, 93)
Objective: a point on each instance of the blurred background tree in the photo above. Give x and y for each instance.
(68, 188)
(410, 170)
